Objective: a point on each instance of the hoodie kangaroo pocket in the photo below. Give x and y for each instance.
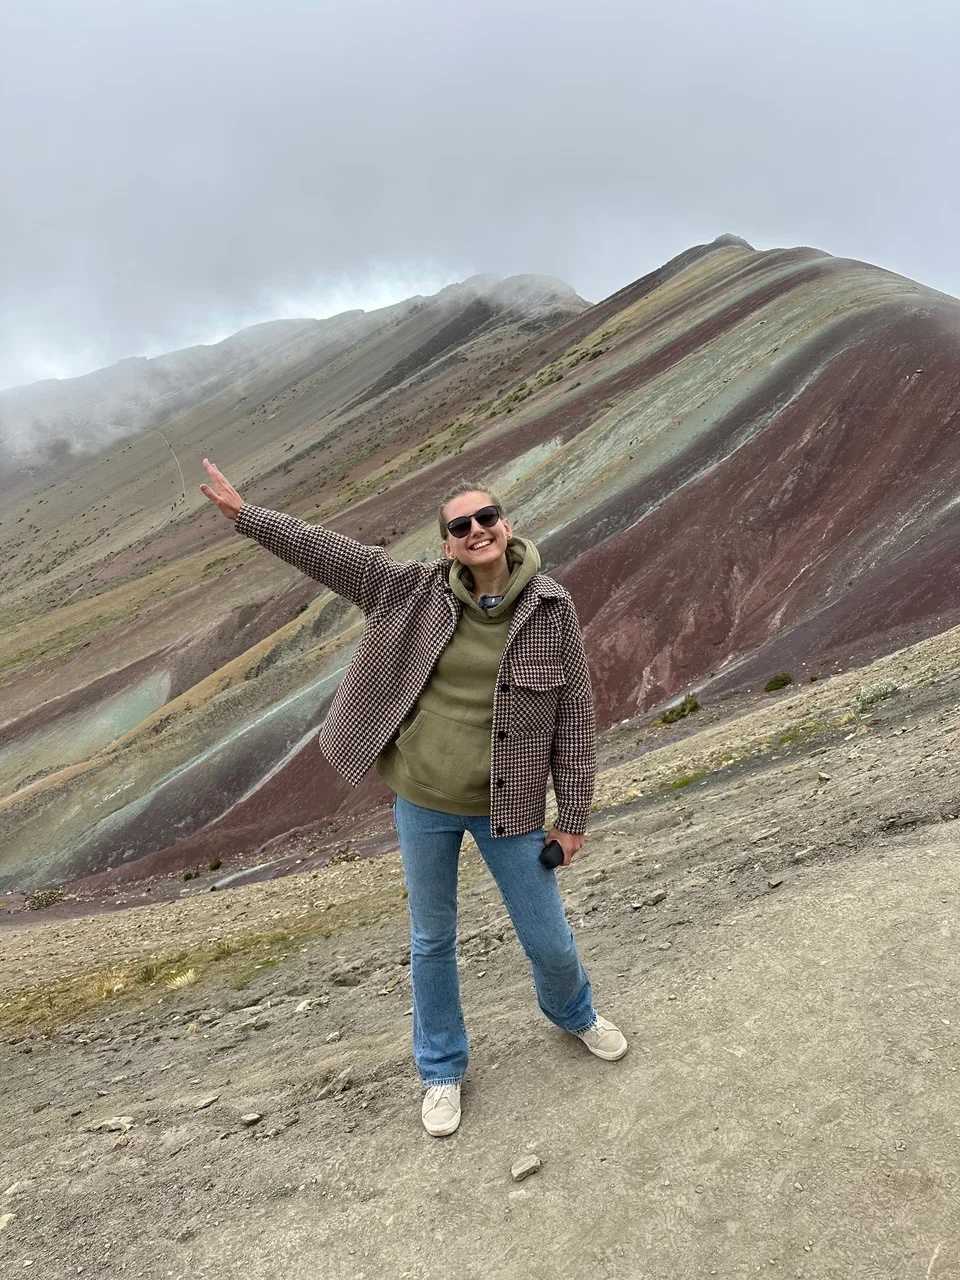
(446, 756)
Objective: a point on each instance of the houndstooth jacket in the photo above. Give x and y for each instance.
(543, 713)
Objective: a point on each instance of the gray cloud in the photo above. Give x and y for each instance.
(171, 172)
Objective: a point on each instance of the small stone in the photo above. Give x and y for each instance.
(304, 1005)
(337, 1084)
(652, 899)
(523, 1167)
(250, 1118)
(16, 1188)
(823, 777)
(774, 881)
(664, 946)
(208, 1101)
(6, 1219)
(332, 1037)
(765, 835)
(115, 1124)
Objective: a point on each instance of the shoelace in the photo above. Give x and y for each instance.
(444, 1093)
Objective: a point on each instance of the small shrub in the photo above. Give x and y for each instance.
(779, 681)
(869, 697)
(686, 707)
(188, 875)
(41, 898)
(215, 865)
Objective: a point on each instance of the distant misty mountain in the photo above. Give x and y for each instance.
(47, 421)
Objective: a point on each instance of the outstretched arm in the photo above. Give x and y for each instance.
(366, 576)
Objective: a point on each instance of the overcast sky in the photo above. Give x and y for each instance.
(170, 172)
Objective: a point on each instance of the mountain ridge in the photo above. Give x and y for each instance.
(740, 464)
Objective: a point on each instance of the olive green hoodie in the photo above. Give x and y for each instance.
(440, 758)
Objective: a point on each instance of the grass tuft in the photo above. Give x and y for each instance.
(185, 978)
(779, 681)
(686, 707)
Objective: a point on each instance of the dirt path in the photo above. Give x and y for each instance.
(788, 1106)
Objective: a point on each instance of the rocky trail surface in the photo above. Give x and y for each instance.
(223, 1085)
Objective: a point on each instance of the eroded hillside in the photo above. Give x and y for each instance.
(743, 463)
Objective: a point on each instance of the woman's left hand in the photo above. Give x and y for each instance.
(569, 843)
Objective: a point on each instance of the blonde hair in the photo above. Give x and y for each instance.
(465, 486)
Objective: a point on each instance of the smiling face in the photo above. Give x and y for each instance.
(481, 546)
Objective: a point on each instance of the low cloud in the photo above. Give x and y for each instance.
(173, 173)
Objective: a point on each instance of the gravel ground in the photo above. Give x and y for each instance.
(776, 936)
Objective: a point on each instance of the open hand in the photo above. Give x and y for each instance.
(221, 491)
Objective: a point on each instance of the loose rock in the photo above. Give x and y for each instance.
(114, 1124)
(523, 1167)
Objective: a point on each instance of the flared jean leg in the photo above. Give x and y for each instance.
(532, 897)
(430, 851)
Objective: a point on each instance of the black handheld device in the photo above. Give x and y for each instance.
(551, 855)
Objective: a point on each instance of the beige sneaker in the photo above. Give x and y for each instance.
(604, 1039)
(440, 1111)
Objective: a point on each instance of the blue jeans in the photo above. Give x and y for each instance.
(430, 849)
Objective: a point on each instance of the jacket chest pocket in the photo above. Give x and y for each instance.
(535, 695)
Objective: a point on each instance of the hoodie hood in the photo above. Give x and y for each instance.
(523, 561)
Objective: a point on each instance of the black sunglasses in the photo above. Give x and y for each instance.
(486, 518)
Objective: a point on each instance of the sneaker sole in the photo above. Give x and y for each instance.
(607, 1057)
(445, 1132)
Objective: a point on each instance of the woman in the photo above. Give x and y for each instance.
(469, 685)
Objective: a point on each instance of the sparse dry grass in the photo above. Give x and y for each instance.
(237, 958)
(820, 709)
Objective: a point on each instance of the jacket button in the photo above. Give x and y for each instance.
(499, 782)
(504, 688)
(501, 734)
(500, 830)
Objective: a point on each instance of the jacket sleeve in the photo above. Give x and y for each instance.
(573, 759)
(366, 576)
